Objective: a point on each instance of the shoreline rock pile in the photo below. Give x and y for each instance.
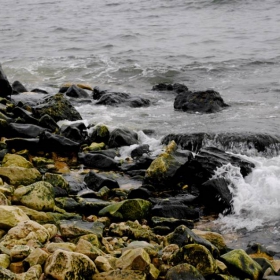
(60, 222)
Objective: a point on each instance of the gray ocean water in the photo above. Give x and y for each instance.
(231, 46)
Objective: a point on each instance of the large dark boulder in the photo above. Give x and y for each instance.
(5, 87)
(216, 196)
(22, 130)
(57, 107)
(18, 87)
(25, 115)
(18, 144)
(76, 92)
(95, 181)
(239, 142)
(100, 161)
(202, 167)
(122, 137)
(75, 131)
(99, 133)
(57, 143)
(48, 122)
(208, 101)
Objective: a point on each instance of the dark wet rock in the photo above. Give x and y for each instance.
(140, 164)
(75, 131)
(99, 133)
(239, 142)
(216, 195)
(122, 137)
(23, 130)
(49, 123)
(76, 183)
(208, 101)
(171, 223)
(141, 192)
(98, 161)
(111, 153)
(24, 114)
(177, 210)
(5, 87)
(53, 142)
(105, 97)
(58, 107)
(201, 168)
(183, 271)
(182, 236)
(69, 204)
(19, 87)
(91, 205)
(3, 152)
(59, 192)
(76, 92)
(140, 173)
(95, 181)
(38, 90)
(31, 144)
(140, 150)
(177, 88)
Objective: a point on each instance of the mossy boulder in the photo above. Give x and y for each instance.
(133, 209)
(69, 266)
(242, 265)
(20, 176)
(57, 180)
(38, 196)
(10, 160)
(11, 216)
(99, 134)
(57, 107)
(183, 271)
(120, 275)
(4, 260)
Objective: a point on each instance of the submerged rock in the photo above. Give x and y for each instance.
(122, 137)
(18, 87)
(208, 101)
(5, 87)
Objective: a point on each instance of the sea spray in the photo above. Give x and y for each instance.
(256, 198)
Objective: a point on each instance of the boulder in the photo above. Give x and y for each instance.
(57, 180)
(132, 209)
(4, 260)
(86, 248)
(33, 273)
(5, 87)
(183, 236)
(241, 265)
(24, 115)
(57, 143)
(18, 87)
(23, 130)
(38, 196)
(66, 246)
(99, 134)
(183, 271)
(208, 101)
(19, 252)
(37, 256)
(48, 122)
(76, 132)
(164, 171)
(76, 92)
(122, 137)
(99, 161)
(3, 199)
(199, 257)
(63, 265)
(6, 274)
(140, 150)
(175, 88)
(10, 160)
(20, 176)
(95, 181)
(57, 107)
(11, 216)
(26, 232)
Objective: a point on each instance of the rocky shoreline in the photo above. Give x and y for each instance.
(70, 210)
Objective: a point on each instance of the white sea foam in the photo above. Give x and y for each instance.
(256, 198)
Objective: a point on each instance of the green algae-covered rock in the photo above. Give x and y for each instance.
(10, 160)
(86, 248)
(100, 133)
(199, 257)
(37, 256)
(4, 260)
(4, 200)
(120, 275)
(10, 216)
(64, 265)
(33, 273)
(57, 180)
(19, 175)
(183, 271)
(95, 147)
(132, 209)
(38, 196)
(241, 265)
(57, 107)
(6, 274)
(46, 217)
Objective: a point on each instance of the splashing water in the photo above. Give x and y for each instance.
(256, 198)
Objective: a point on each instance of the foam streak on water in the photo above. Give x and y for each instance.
(256, 198)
